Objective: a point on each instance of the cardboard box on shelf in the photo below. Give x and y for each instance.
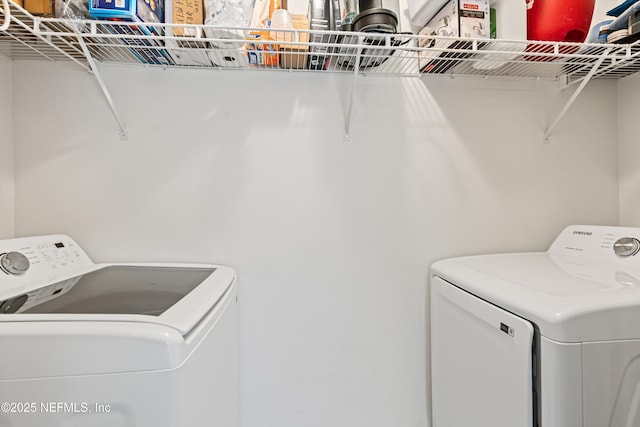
(295, 56)
(186, 12)
(19, 3)
(39, 7)
(187, 50)
(458, 18)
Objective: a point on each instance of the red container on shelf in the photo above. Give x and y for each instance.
(559, 20)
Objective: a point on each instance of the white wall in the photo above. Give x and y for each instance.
(629, 150)
(332, 240)
(6, 151)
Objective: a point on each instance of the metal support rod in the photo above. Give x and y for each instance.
(352, 95)
(7, 16)
(574, 96)
(105, 91)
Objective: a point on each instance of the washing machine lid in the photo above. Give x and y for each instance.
(51, 279)
(577, 291)
(116, 289)
(173, 295)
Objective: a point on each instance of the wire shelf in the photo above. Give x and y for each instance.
(200, 46)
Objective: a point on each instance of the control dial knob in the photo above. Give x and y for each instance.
(626, 246)
(14, 263)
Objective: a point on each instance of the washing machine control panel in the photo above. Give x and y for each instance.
(33, 262)
(15, 263)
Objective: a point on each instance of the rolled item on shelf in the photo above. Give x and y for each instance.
(618, 35)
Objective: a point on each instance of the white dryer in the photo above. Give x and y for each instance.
(114, 345)
(539, 339)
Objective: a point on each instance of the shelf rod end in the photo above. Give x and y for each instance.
(7, 16)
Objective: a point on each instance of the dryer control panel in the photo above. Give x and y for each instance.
(617, 245)
(32, 262)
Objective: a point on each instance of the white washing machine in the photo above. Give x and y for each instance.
(114, 345)
(539, 339)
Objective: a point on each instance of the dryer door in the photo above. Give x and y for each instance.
(481, 362)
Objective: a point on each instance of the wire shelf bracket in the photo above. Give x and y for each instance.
(574, 96)
(105, 91)
(352, 94)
